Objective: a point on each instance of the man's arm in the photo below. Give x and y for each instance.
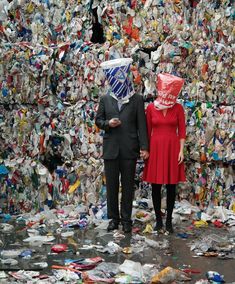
(100, 119)
(142, 127)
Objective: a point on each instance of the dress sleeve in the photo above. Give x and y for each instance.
(149, 120)
(181, 123)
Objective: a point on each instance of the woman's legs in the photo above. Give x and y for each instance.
(156, 197)
(170, 202)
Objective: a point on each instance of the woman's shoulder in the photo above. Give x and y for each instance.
(179, 109)
(150, 106)
(178, 106)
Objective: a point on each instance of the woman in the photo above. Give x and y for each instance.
(166, 132)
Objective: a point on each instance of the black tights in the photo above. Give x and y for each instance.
(170, 201)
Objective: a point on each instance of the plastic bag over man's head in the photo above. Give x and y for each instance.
(117, 72)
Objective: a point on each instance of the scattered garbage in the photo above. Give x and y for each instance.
(212, 245)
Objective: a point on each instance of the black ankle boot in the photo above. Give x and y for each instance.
(159, 224)
(169, 227)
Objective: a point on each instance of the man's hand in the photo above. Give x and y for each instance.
(114, 122)
(144, 154)
(180, 157)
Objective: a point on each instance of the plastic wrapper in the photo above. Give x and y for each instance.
(9, 261)
(41, 239)
(104, 272)
(59, 248)
(169, 274)
(215, 276)
(3, 275)
(110, 248)
(141, 242)
(66, 275)
(11, 253)
(149, 271)
(132, 268)
(6, 228)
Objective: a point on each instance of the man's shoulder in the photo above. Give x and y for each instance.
(137, 97)
(105, 97)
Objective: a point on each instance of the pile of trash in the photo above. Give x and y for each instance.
(51, 82)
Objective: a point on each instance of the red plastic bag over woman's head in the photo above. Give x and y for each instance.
(168, 87)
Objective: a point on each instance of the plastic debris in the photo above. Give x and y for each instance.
(215, 276)
(40, 239)
(59, 248)
(170, 274)
(132, 268)
(110, 248)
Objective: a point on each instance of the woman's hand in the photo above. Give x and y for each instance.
(180, 157)
(144, 154)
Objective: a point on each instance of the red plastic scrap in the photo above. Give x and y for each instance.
(218, 224)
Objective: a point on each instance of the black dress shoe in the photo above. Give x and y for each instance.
(112, 226)
(127, 228)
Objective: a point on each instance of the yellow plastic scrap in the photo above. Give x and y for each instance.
(140, 214)
(30, 8)
(72, 242)
(169, 275)
(74, 186)
(200, 223)
(68, 16)
(199, 113)
(127, 250)
(148, 229)
(154, 24)
(157, 279)
(27, 54)
(233, 207)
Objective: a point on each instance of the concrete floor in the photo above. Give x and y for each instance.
(178, 255)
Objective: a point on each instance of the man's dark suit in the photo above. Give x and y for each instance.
(121, 147)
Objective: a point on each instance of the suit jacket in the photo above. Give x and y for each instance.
(128, 138)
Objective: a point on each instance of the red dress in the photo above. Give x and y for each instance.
(164, 134)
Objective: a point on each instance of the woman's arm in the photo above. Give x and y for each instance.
(181, 153)
(181, 133)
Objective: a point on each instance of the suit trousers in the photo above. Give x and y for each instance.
(124, 169)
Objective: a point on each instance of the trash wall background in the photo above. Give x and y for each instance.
(50, 85)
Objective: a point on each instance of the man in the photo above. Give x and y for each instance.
(125, 138)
